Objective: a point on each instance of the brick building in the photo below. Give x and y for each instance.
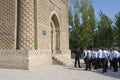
(33, 33)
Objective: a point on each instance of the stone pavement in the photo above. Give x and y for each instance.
(57, 72)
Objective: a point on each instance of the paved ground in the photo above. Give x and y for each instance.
(57, 72)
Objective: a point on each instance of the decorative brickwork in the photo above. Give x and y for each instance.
(7, 24)
(43, 11)
(65, 1)
(32, 32)
(26, 25)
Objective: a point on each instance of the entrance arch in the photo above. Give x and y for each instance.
(55, 34)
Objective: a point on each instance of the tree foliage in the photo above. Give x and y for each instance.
(86, 31)
(104, 32)
(81, 34)
(117, 30)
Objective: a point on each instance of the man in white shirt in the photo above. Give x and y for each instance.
(99, 58)
(87, 58)
(96, 59)
(115, 60)
(111, 58)
(119, 57)
(84, 54)
(104, 59)
(93, 57)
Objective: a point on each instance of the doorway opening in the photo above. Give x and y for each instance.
(55, 34)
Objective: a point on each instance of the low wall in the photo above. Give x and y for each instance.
(39, 58)
(21, 59)
(17, 59)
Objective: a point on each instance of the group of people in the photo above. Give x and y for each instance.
(99, 58)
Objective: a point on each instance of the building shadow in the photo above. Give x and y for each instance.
(109, 72)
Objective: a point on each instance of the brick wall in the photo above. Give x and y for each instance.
(39, 58)
(7, 24)
(21, 59)
(26, 38)
(34, 48)
(14, 59)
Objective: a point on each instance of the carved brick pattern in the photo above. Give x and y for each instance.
(7, 24)
(65, 19)
(56, 1)
(27, 56)
(54, 8)
(65, 1)
(26, 25)
(43, 12)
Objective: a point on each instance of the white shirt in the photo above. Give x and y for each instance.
(96, 54)
(119, 54)
(92, 54)
(107, 54)
(115, 54)
(104, 54)
(88, 53)
(85, 53)
(99, 53)
(111, 55)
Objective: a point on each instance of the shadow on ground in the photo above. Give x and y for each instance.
(109, 72)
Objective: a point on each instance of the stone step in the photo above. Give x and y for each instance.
(62, 60)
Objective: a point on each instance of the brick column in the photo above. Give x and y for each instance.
(26, 38)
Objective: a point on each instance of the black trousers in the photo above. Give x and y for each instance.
(88, 63)
(96, 63)
(115, 64)
(99, 63)
(119, 61)
(77, 60)
(111, 64)
(104, 65)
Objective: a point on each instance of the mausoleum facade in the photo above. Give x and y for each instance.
(33, 33)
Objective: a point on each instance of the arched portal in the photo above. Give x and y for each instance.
(55, 34)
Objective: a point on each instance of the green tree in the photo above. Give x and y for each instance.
(86, 31)
(74, 23)
(104, 33)
(81, 34)
(88, 23)
(117, 30)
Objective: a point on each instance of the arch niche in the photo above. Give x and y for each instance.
(55, 34)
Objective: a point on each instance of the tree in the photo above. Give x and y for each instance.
(117, 29)
(88, 23)
(104, 33)
(74, 23)
(81, 34)
(86, 31)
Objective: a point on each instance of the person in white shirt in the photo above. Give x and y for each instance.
(115, 60)
(93, 57)
(99, 58)
(111, 58)
(84, 54)
(104, 59)
(96, 59)
(119, 57)
(87, 58)
(107, 56)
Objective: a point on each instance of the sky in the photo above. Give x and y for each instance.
(108, 7)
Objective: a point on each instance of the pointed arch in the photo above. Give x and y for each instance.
(55, 33)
